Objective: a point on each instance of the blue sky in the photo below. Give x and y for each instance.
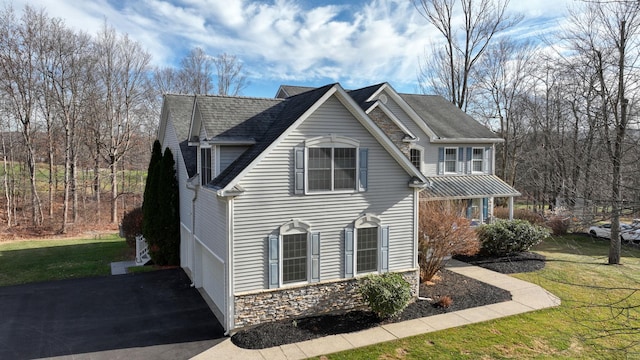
(303, 42)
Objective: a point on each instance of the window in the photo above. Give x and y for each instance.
(331, 163)
(294, 255)
(450, 160)
(415, 155)
(294, 258)
(367, 254)
(477, 159)
(205, 165)
(366, 246)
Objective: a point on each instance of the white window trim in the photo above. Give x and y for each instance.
(444, 170)
(366, 221)
(332, 141)
(294, 227)
(481, 160)
(421, 150)
(201, 147)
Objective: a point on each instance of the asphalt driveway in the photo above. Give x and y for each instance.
(136, 316)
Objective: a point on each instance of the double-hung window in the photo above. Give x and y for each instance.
(477, 159)
(415, 155)
(366, 246)
(450, 160)
(330, 163)
(205, 165)
(294, 255)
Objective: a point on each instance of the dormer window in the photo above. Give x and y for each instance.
(205, 165)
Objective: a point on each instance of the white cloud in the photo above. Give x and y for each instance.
(357, 43)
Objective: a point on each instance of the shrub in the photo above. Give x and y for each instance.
(387, 294)
(522, 214)
(505, 237)
(559, 225)
(132, 226)
(445, 302)
(443, 232)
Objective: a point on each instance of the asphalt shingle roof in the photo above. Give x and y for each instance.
(360, 96)
(445, 119)
(286, 113)
(291, 90)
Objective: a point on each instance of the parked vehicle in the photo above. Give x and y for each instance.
(628, 233)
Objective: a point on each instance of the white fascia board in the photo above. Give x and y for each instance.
(468, 141)
(390, 91)
(393, 118)
(164, 114)
(282, 136)
(192, 124)
(377, 133)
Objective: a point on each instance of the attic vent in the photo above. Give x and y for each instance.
(383, 99)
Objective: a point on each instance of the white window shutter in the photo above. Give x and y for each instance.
(487, 160)
(315, 256)
(348, 252)
(274, 263)
(298, 183)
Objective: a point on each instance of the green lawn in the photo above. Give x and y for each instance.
(43, 260)
(599, 317)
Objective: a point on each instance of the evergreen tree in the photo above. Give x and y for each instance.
(167, 215)
(150, 198)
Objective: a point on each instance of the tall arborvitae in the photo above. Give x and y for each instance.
(167, 241)
(150, 199)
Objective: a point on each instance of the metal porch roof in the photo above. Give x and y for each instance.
(467, 187)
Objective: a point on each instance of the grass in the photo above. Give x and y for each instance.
(599, 317)
(43, 260)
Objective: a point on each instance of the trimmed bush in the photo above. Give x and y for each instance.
(505, 237)
(387, 294)
(132, 226)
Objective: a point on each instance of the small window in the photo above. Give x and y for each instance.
(450, 160)
(477, 159)
(415, 157)
(294, 258)
(367, 256)
(205, 165)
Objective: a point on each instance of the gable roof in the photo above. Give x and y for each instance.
(285, 115)
(286, 91)
(362, 96)
(446, 120)
(232, 116)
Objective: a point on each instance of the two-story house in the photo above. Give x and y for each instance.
(286, 202)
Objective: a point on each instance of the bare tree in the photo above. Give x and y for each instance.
(464, 44)
(196, 72)
(120, 72)
(19, 81)
(231, 77)
(608, 34)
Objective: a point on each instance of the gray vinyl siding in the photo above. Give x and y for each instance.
(268, 202)
(430, 155)
(211, 222)
(229, 154)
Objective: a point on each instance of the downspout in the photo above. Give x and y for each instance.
(229, 278)
(193, 229)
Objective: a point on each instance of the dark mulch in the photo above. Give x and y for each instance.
(464, 292)
(511, 264)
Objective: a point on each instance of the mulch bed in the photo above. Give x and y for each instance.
(464, 292)
(512, 264)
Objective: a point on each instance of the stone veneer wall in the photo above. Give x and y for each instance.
(305, 300)
(390, 128)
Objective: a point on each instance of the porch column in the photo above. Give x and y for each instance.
(510, 207)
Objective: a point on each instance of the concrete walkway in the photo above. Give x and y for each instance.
(120, 267)
(525, 297)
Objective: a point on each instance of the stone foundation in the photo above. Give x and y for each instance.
(305, 300)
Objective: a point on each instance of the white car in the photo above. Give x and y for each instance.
(628, 233)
